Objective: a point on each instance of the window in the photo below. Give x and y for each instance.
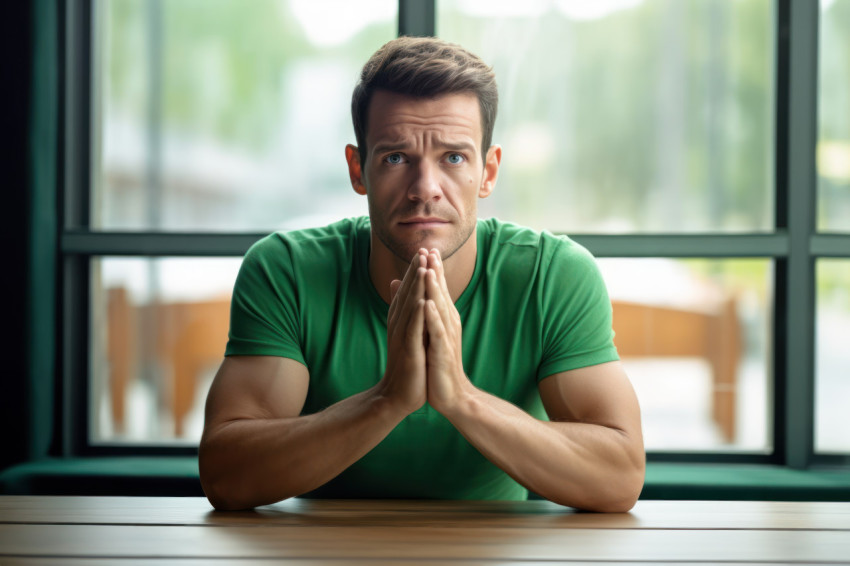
(695, 338)
(209, 117)
(692, 146)
(159, 327)
(213, 116)
(629, 116)
(833, 153)
(833, 217)
(833, 358)
(648, 117)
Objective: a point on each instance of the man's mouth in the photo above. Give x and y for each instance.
(423, 222)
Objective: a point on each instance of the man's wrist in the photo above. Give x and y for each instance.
(464, 403)
(389, 403)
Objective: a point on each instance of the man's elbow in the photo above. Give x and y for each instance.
(625, 483)
(221, 496)
(220, 501)
(217, 490)
(617, 500)
(618, 492)
(231, 484)
(621, 502)
(219, 487)
(622, 493)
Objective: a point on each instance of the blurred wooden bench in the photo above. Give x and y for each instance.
(654, 331)
(187, 338)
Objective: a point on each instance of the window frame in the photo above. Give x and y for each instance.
(794, 245)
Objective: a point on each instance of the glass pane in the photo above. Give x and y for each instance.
(228, 115)
(694, 336)
(628, 115)
(833, 156)
(158, 336)
(832, 391)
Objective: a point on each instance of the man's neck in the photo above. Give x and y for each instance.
(384, 266)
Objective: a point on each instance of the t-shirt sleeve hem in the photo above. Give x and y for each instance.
(263, 350)
(577, 362)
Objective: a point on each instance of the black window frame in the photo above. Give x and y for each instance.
(793, 245)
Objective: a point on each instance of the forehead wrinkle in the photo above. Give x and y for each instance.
(405, 130)
(397, 122)
(447, 118)
(400, 136)
(436, 140)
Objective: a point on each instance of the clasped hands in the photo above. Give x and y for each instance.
(424, 351)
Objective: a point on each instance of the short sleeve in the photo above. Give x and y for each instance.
(264, 318)
(577, 321)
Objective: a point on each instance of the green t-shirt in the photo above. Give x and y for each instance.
(536, 306)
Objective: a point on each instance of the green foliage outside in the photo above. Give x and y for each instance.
(659, 117)
(224, 62)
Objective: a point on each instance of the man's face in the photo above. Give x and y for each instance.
(424, 171)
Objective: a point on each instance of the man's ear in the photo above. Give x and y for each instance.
(491, 171)
(355, 171)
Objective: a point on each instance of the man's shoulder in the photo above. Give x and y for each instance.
(514, 241)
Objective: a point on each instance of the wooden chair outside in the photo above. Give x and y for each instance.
(654, 331)
(188, 339)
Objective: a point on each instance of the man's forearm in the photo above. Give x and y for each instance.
(587, 466)
(249, 462)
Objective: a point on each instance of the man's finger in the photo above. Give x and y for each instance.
(439, 339)
(436, 295)
(394, 285)
(414, 331)
(398, 296)
(434, 323)
(407, 303)
(435, 262)
(415, 263)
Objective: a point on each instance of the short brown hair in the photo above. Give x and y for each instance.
(424, 67)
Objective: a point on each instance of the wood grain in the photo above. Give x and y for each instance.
(467, 514)
(430, 543)
(315, 562)
(186, 531)
(312, 562)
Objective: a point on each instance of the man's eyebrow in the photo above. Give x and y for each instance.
(400, 145)
(458, 146)
(391, 145)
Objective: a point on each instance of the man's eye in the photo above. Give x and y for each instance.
(455, 158)
(394, 158)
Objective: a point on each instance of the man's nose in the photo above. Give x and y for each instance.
(426, 185)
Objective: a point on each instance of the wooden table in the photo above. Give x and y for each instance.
(183, 531)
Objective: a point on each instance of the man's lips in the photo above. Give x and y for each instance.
(422, 221)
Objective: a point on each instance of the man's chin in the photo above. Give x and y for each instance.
(406, 252)
(405, 245)
(446, 248)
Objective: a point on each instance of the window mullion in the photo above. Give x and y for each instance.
(77, 130)
(797, 180)
(75, 198)
(686, 245)
(417, 17)
(157, 243)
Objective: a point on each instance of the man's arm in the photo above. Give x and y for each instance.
(589, 455)
(256, 449)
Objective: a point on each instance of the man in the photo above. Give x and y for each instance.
(413, 353)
